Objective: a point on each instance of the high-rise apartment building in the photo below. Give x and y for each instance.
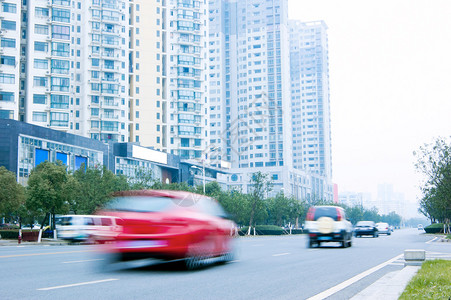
(309, 68)
(250, 98)
(147, 73)
(71, 61)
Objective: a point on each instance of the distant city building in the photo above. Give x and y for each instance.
(309, 65)
(388, 200)
(250, 106)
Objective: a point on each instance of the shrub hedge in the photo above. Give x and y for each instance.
(269, 230)
(434, 228)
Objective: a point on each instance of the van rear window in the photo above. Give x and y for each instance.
(330, 212)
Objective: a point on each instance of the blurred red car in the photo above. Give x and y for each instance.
(168, 225)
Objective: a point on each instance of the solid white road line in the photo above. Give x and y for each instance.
(80, 261)
(428, 242)
(352, 280)
(280, 254)
(76, 284)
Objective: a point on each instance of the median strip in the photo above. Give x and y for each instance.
(76, 284)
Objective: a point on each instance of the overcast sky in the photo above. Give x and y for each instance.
(390, 86)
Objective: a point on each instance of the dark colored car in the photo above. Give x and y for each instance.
(328, 224)
(366, 228)
(168, 225)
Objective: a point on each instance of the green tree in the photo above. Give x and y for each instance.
(12, 196)
(434, 162)
(236, 204)
(143, 180)
(93, 188)
(46, 186)
(261, 187)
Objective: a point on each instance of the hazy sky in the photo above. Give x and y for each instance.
(390, 86)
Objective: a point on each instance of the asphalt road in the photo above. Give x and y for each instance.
(276, 267)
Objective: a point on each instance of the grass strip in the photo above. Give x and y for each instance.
(433, 281)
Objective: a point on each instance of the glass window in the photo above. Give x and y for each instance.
(9, 8)
(59, 101)
(61, 32)
(39, 99)
(39, 116)
(8, 43)
(7, 60)
(6, 114)
(60, 66)
(8, 25)
(60, 49)
(59, 119)
(61, 15)
(60, 84)
(95, 62)
(41, 64)
(41, 12)
(94, 111)
(7, 78)
(41, 46)
(41, 29)
(39, 81)
(6, 96)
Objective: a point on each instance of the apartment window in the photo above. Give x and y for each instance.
(41, 12)
(8, 25)
(41, 29)
(62, 2)
(8, 43)
(7, 78)
(137, 126)
(41, 46)
(9, 8)
(95, 99)
(39, 116)
(60, 49)
(7, 60)
(77, 114)
(6, 114)
(94, 112)
(7, 96)
(39, 99)
(59, 101)
(94, 74)
(61, 15)
(59, 119)
(60, 84)
(41, 64)
(95, 62)
(77, 126)
(94, 124)
(61, 32)
(60, 66)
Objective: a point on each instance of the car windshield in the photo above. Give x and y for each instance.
(140, 204)
(63, 221)
(365, 223)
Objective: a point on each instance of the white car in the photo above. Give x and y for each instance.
(82, 227)
(328, 224)
(383, 228)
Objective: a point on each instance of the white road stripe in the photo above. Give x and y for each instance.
(352, 280)
(428, 242)
(76, 284)
(80, 261)
(280, 254)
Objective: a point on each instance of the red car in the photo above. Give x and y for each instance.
(168, 225)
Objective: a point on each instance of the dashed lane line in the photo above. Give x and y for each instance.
(76, 284)
(80, 261)
(280, 254)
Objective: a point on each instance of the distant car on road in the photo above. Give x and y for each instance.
(383, 228)
(366, 228)
(169, 225)
(328, 224)
(420, 227)
(78, 228)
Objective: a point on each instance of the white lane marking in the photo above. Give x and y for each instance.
(280, 254)
(257, 245)
(428, 242)
(20, 246)
(76, 284)
(396, 264)
(80, 261)
(353, 280)
(234, 261)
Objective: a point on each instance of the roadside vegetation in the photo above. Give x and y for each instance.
(434, 162)
(52, 190)
(431, 282)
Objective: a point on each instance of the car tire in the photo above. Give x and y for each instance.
(375, 235)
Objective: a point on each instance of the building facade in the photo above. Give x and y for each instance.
(309, 76)
(66, 66)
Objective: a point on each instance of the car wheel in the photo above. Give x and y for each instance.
(194, 262)
(350, 244)
(344, 244)
(310, 243)
(375, 235)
